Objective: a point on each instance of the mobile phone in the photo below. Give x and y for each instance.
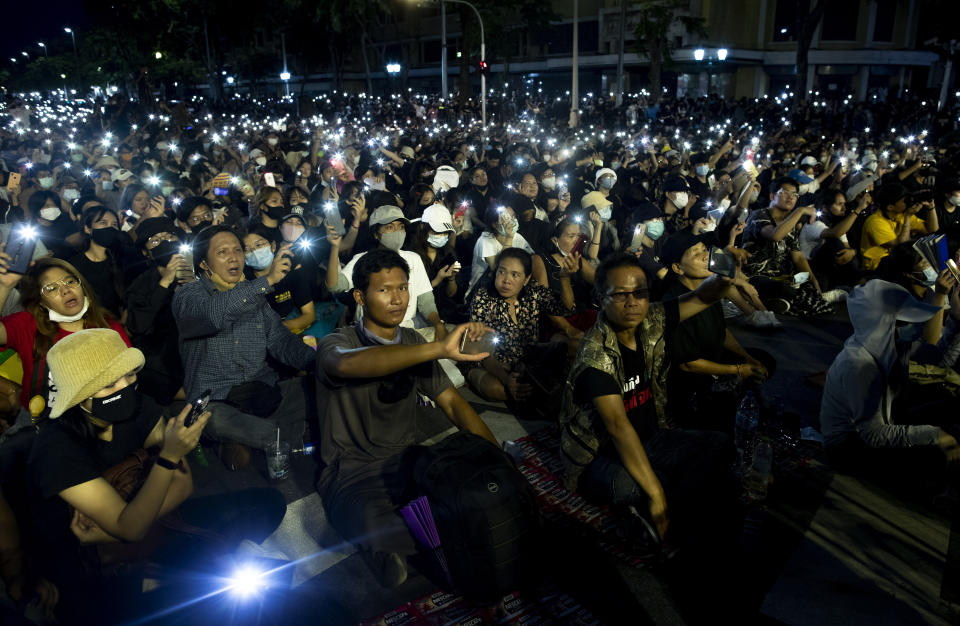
(13, 180)
(952, 266)
(269, 180)
(220, 191)
(716, 214)
(185, 274)
(333, 218)
(579, 245)
(20, 249)
(637, 242)
(460, 212)
(197, 408)
(722, 262)
(487, 343)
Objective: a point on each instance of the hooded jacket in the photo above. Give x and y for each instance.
(868, 372)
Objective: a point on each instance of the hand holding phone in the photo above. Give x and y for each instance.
(269, 180)
(13, 181)
(197, 408)
(722, 263)
(580, 244)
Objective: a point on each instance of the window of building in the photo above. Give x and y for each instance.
(785, 19)
(840, 21)
(886, 15)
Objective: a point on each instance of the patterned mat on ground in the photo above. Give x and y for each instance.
(446, 609)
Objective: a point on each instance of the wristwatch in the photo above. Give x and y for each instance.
(168, 464)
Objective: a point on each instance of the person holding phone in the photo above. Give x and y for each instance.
(709, 368)
(101, 418)
(370, 376)
(566, 238)
(223, 318)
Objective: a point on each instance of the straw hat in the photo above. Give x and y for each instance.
(85, 362)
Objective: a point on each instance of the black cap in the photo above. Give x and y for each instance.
(889, 193)
(676, 245)
(675, 183)
(646, 211)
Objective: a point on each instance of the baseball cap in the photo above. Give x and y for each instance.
(859, 187)
(407, 151)
(809, 160)
(387, 214)
(800, 176)
(675, 246)
(438, 218)
(120, 174)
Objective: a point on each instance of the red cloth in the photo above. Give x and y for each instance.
(21, 332)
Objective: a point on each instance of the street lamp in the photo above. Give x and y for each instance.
(722, 54)
(44, 46)
(698, 54)
(76, 56)
(393, 68)
(25, 54)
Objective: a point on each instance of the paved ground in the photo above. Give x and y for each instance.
(822, 550)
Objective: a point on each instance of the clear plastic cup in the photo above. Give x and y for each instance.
(278, 460)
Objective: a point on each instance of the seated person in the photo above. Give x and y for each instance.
(48, 214)
(101, 419)
(57, 301)
(565, 236)
(102, 257)
(831, 255)
(898, 219)
(371, 374)
(502, 231)
(612, 444)
(149, 315)
(434, 239)
(599, 210)
(863, 431)
(227, 329)
(389, 228)
(517, 310)
(707, 363)
(772, 236)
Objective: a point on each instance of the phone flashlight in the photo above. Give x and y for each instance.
(184, 248)
(28, 233)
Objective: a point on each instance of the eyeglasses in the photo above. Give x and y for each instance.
(67, 281)
(193, 220)
(155, 241)
(620, 297)
(788, 194)
(263, 243)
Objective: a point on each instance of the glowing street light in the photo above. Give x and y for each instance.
(284, 76)
(698, 54)
(158, 55)
(722, 54)
(393, 68)
(44, 46)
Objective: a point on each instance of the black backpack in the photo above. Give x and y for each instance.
(486, 515)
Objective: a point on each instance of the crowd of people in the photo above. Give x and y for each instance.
(317, 270)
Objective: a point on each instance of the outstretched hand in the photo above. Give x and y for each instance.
(474, 331)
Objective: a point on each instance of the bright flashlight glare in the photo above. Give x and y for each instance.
(304, 245)
(28, 233)
(184, 248)
(154, 180)
(247, 581)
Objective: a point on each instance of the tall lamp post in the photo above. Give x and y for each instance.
(483, 55)
(44, 46)
(76, 56)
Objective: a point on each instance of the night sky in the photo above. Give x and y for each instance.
(27, 22)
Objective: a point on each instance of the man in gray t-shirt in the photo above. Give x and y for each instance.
(370, 375)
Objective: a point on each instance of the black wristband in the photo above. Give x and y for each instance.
(168, 464)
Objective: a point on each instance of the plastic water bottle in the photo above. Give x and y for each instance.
(757, 477)
(745, 429)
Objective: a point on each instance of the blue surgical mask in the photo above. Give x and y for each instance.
(605, 213)
(607, 182)
(615, 165)
(655, 230)
(438, 241)
(703, 170)
(108, 185)
(259, 259)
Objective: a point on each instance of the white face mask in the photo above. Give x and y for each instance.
(508, 225)
(59, 318)
(955, 200)
(261, 161)
(562, 251)
(549, 182)
(272, 141)
(394, 240)
(680, 199)
(50, 213)
(703, 170)
(605, 213)
(70, 194)
(46, 182)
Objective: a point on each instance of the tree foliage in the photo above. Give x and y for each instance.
(655, 34)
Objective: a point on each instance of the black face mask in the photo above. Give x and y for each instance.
(163, 251)
(276, 212)
(120, 407)
(106, 237)
(198, 227)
